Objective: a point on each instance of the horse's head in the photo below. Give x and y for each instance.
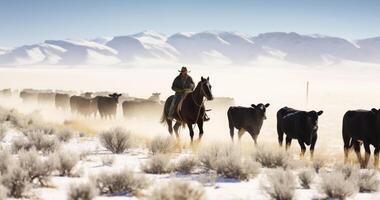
(206, 88)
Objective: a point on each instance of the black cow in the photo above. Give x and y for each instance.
(62, 101)
(299, 125)
(362, 126)
(107, 105)
(247, 119)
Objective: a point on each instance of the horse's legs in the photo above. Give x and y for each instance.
(176, 127)
(200, 127)
(191, 131)
(170, 128)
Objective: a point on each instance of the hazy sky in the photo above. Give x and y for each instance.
(31, 21)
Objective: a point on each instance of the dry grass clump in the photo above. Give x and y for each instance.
(337, 185)
(281, 185)
(272, 158)
(16, 181)
(15, 118)
(306, 177)
(3, 192)
(158, 164)
(318, 164)
(228, 162)
(82, 191)
(162, 145)
(186, 165)
(117, 140)
(120, 182)
(65, 135)
(37, 168)
(3, 130)
(178, 190)
(368, 181)
(65, 162)
(349, 171)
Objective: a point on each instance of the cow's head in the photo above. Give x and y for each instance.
(261, 109)
(115, 96)
(312, 124)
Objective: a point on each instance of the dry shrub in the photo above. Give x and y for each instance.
(117, 140)
(368, 181)
(162, 145)
(3, 130)
(186, 165)
(65, 135)
(65, 162)
(36, 139)
(3, 192)
(15, 118)
(306, 178)
(336, 185)
(318, 164)
(82, 191)
(229, 162)
(158, 164)
(16, 181)
(272, 158)
(6, 161)
(120, 182)
(107, 160)
(36, 167)
(349, 171)
(21, 143)
(178, 190)
(281, 185)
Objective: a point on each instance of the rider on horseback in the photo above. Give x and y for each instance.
(182, 85)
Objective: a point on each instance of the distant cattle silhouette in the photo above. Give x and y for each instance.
(362, 126)
(29, 96)
(62, 101)
(46, 98)
(248, 119)
(6, 92)
(107, 106)
(143, 108)
(299, 125)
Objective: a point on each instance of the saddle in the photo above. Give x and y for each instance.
(179, 105)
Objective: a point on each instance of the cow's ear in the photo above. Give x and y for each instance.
(267, 105)
(253, 105)
(320, 112)
(374, 110)
(202, 79)
(208, 78)
(110, 95)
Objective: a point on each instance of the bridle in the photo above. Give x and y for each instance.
(203, 94)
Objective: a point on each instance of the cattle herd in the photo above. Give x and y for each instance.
(359, 126)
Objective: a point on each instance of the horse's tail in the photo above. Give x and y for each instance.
(164, 116)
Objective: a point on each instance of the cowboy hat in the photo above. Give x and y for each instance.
(183, 69)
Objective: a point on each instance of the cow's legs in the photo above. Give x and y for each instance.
(347, 147)
(303, 148)
(189, 125)
(376, 157)
(357, 151)
(232, 133)
(313, 141)
(367, 154)
(200, 127)
(253, 135)
(176, 127)
(280, 135)
(240, 133)
(288, 141)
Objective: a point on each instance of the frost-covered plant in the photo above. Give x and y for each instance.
(209, 155)
(43, 142)
(186, 164)
(65, 135)
(272, 158)
(178, 190)
(281, 185)
(158, 164)
(3, 129)
(368, 181)
(65, 162)
(120, 182)
(349, 171)
(162, 145)
(16, 181)
(36, 167)
(318, 164)
(306, 178)
(335, 185)
(116, 140)
(82, 191)
(3, 192)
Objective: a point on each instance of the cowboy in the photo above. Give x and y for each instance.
(182, 85)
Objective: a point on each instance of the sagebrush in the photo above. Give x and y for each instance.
(178, 190)
(281, 184)
(158, 164)
(117, 140)
(82, 191)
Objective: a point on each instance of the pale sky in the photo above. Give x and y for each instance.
(33, 21)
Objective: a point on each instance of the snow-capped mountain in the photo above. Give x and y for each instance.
(208, 47)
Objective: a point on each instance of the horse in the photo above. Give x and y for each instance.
(192, 109)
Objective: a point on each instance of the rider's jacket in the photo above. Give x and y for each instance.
(182, 84)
